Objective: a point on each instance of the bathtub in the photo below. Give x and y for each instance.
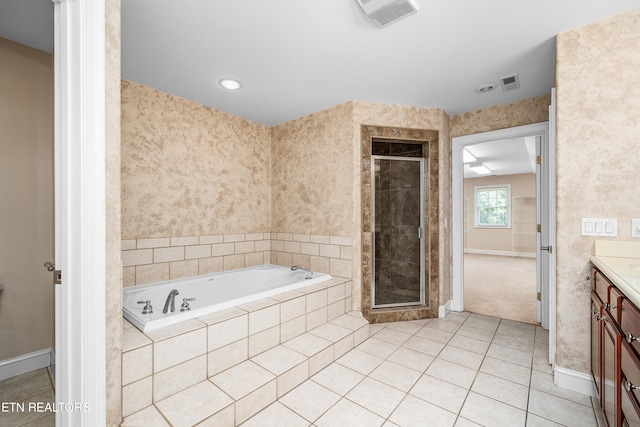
(212, 292)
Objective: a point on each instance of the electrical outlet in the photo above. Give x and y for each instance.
(635, 227)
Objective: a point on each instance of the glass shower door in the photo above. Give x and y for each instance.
(398, 239)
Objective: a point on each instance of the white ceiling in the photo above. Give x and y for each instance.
(296, 57)
(504, 157)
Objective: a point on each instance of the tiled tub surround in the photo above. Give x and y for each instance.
(251, 354)
(150, 260)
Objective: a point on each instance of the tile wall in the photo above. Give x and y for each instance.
(151, 260)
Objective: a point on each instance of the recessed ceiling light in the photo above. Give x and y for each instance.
(230, 84)
(480, 168)
(486, 87)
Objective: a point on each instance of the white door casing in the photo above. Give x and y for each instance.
(79, 174)
(547, 285)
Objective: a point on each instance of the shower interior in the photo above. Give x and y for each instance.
(398, 200)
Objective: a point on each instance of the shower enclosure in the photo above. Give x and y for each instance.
(398, 238)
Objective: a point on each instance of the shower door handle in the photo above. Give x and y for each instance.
(420, 233)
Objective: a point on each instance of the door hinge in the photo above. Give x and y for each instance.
(539, 160)
(57, 277)
(539, 296)
(539, 228)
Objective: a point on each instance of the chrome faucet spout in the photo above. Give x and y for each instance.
(171, 299)
(308, 272)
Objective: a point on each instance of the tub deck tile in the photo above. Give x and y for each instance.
(175, 330)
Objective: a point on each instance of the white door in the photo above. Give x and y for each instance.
(543, 247)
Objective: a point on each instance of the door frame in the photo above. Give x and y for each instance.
(421, 161)
(80, 217)
(548, 289)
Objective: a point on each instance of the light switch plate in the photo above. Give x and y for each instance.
(607, 227)
(635, 227)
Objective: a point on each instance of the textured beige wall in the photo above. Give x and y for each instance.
(498, 239)
(519, 113)
(26, 188)
(598, 111)
(190, 170)
(312, 179)
(113, 267)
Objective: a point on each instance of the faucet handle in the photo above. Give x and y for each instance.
(185, 304)
(147, 309)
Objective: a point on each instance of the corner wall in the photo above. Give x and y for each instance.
(598, 126)
(26, 188)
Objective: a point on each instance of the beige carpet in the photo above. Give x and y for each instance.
(500, 286)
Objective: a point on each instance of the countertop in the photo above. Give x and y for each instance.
(620, 262)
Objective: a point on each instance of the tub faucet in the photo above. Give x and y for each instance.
(171, 299)
(308, 274)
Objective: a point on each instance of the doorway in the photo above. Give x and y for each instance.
(398, 223)
(539, 133)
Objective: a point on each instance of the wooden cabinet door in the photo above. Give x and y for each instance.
(611, 373)
(596, 344)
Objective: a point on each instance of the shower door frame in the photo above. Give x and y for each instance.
(420, 231)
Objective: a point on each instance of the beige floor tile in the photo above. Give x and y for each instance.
(471, 344)
(194, 404)
(560, 410)
(443, 324)
(242, 379)
(338, 378)
(276, 414)
(536, 421)
(508, 354)
(477, 333)
(406, 327)
(451, 372)
(378, 347)
(48, 420)
(392, 336)
(310, 400)
(279, 359)
(375, 396)
(489, 412)
(434, 334)
(308, 344)
(416, 412)
(522, 343)
(423, 345)
(501, 390)
(148, 417)
(544, 382)
(506, 370)
(360, 361)
(411, 359)
(14, 416)
(463, 422)
(395, 375)
(461, 357)
(347, 413)
(440, 393)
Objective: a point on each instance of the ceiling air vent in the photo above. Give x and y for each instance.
(510, 82)
(385, 12)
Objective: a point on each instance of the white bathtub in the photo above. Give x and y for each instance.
(212, 292)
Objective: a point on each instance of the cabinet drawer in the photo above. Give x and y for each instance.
(601, 286)
(630, 397)
(630, 324)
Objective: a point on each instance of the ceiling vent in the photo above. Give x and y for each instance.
(510, 82)
(385, 12)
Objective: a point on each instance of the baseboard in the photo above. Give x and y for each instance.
(499, 253)
(26, 363)
(574, 381)
(443, 310)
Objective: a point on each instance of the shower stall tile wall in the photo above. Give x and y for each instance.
(150, 260)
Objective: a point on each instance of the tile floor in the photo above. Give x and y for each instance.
(463, 370)
(19, 391)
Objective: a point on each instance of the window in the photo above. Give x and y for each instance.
(492, 208)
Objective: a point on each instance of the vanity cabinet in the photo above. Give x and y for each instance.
(615, 352)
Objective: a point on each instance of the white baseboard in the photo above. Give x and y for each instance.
(499, 253)
(443, 310)
(26, 363)
(574, 381)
